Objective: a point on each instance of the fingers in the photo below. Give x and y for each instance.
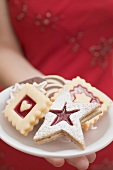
(91, 157)
(57, 162)
(80, 163)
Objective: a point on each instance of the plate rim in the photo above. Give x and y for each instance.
(4, 136)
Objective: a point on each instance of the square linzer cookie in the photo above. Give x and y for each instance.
(81, 91)
(64, 119)
(25, 107)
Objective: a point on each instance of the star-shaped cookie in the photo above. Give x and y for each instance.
(64, 118)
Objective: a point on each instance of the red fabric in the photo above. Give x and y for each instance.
(68, 38)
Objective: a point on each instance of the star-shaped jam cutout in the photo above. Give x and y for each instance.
(63, 115)
(68, 125)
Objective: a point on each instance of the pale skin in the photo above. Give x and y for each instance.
(15, 68)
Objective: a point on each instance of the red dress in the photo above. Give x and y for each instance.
(69, 38)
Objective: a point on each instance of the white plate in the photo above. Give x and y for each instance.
(95, 139)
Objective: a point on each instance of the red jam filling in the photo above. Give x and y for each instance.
(24, 113)
(80, 89)
(63, 115)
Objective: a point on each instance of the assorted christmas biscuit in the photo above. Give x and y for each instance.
(53, 83)
(64, 118)
(32, 80)
(82, 91)
(26, 106)
(67, 108)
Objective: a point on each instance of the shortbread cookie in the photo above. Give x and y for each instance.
(54, 83)
(32, 80)
(81, 91)
(26, 106)
(55, 79)
(64, 118)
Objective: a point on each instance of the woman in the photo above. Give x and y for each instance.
(68, 38)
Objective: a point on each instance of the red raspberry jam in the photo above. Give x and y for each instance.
(24, 113)
(80, 89)
(63, 115)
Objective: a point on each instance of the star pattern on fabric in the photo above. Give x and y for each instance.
(101, 51)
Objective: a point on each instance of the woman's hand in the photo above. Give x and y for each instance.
(81, 163)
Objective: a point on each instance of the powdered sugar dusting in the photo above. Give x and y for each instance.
(72, 131)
